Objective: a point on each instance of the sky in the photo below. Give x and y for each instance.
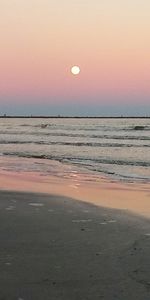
(40, 40)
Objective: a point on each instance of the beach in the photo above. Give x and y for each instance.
(54, 246)
(74, 209)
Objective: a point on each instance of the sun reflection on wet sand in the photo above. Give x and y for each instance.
(134, 197)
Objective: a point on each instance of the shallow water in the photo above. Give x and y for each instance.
(114, 147)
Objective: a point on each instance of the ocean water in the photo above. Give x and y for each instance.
(118, 148)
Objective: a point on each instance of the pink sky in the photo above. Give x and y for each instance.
(42, 39)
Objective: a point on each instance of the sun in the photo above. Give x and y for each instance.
(75, 70)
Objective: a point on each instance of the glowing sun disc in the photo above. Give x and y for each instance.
(75, 70)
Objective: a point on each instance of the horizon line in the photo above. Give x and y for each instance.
(72, 117)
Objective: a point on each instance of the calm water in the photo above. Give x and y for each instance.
(113, 147)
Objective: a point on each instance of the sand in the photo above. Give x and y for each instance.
(73, 238)
(54, 247)
(131, 196)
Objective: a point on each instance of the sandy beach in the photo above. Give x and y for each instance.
(55, 247)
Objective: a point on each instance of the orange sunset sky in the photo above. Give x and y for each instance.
(40, 40)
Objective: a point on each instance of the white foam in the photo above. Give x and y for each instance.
(82, 221)
(74, 186)
(36, 204)
(10, 207)
(112, 221)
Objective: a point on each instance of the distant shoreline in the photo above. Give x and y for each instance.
(73, 117)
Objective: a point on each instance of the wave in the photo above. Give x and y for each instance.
(35, 125)
(136, 127)
(113, 162)
(88, 128)
(139, 127)
(76, 144)
(78, 135)
(81, 160)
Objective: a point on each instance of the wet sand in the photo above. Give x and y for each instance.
(131, 196)
(53, 247)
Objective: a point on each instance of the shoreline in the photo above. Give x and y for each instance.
(104, 192)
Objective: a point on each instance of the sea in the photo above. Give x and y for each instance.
(117, 148)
